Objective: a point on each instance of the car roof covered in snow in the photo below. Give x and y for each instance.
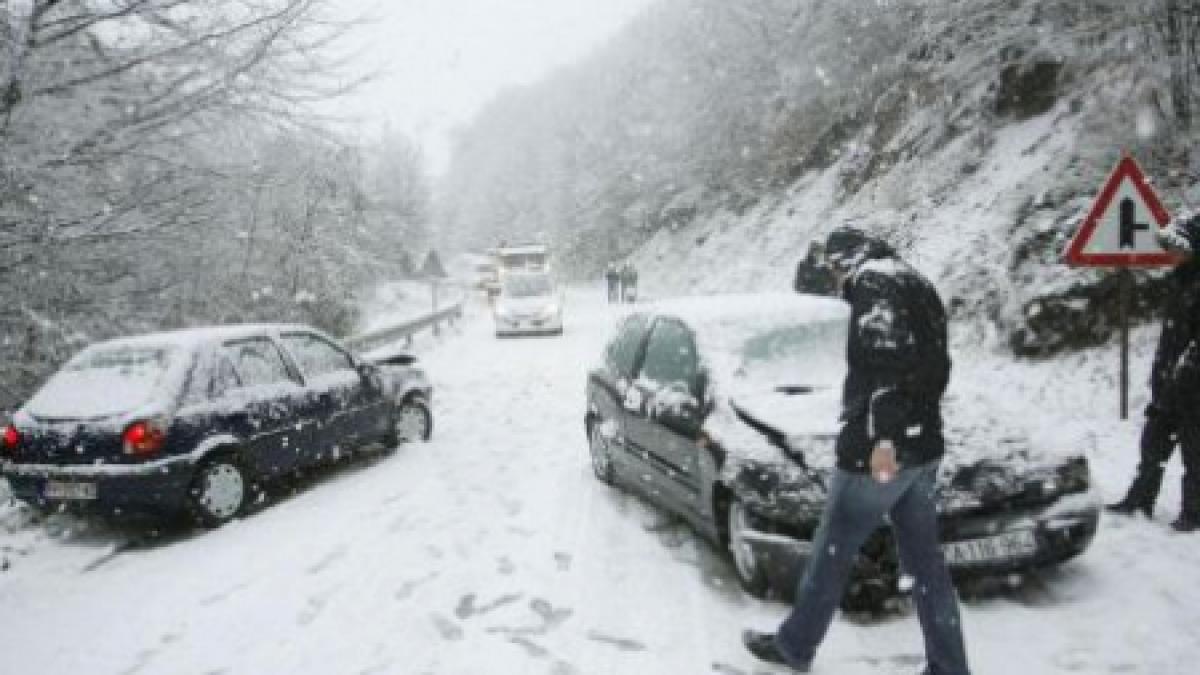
(761, 339)
(192, 338)
(711, 315)
(752, 345)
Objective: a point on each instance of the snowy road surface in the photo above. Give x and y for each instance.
(492, 550)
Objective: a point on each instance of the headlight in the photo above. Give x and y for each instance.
(550, 311)
(503, 312)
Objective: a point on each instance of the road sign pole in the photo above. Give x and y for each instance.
(1117, 232)
(1126, 284)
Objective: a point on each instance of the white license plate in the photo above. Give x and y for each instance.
(1001, 547)
(60, 490)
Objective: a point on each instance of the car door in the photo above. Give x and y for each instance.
(664, 414)
(609, 384)
(265, 404)
(353, 408)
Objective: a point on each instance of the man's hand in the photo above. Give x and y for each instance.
(883, 461)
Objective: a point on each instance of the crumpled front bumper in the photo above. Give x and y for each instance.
(1062, 530)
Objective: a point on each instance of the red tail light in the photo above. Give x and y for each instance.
(143, 438)
(12, 438)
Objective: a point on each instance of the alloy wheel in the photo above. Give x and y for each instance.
(220, 492)
(750, 572)
(413, 422)
(601, 455)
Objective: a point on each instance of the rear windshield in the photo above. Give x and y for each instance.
(527, 287)
(101, 382)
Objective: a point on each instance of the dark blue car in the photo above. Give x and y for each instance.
(189, 421)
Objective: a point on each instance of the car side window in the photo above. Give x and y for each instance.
(199, 383)
(315, 355)
(621, 354)
(224, 378)
(257, 362)
(670, 354)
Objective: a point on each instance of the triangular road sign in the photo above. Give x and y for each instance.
(1119, 231)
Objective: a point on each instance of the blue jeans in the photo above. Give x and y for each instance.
(856, 507)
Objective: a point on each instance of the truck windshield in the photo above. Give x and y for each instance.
(527, 287)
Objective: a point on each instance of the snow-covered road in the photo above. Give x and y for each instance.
(492, 549)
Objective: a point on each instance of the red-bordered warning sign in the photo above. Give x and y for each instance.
(1120, 229)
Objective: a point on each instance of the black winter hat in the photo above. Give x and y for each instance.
(847, 247)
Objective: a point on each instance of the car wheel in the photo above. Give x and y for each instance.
(414, 421)
(867, 596)
(601, 454)
(218, 491)
(751, 574)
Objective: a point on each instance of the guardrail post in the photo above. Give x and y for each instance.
(434, 286)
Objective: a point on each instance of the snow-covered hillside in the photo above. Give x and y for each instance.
(975, 216)
(492, 549)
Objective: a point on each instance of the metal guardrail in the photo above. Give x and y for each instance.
(405, 331)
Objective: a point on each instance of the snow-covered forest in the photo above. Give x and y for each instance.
(772, 120)
(166, 163)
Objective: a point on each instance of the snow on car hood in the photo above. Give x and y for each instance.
(753, 345)
(781, 359)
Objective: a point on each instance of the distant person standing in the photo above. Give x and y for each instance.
(613, 277)
(1173, 416)
(629, 280)
(888, 452)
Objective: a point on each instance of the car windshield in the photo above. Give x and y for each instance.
(755, 343)
(527, 287)
(102, 382)
(523, 260)
(794, 355)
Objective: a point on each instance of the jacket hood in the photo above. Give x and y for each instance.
(847, 247)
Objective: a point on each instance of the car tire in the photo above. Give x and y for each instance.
(413, 421)
(219, 491)
(868, 596)
(749, 570)
(601, 454)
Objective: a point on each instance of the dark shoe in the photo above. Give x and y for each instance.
(762, 646)
(1127, 507)
(1186, 523)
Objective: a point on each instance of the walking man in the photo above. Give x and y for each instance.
(629, 280)
(1173, 416)
(888, 453)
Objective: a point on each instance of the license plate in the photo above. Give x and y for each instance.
(60, 490)
(1005, 546)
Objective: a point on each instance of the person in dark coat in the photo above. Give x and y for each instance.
(812, 275)
(888, 453)
(629, 280)
(1173, 416)
(614, 283)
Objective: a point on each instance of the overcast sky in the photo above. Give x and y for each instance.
(441, 60)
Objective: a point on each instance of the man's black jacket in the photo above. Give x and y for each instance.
(1175, 375)
(898, 362)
